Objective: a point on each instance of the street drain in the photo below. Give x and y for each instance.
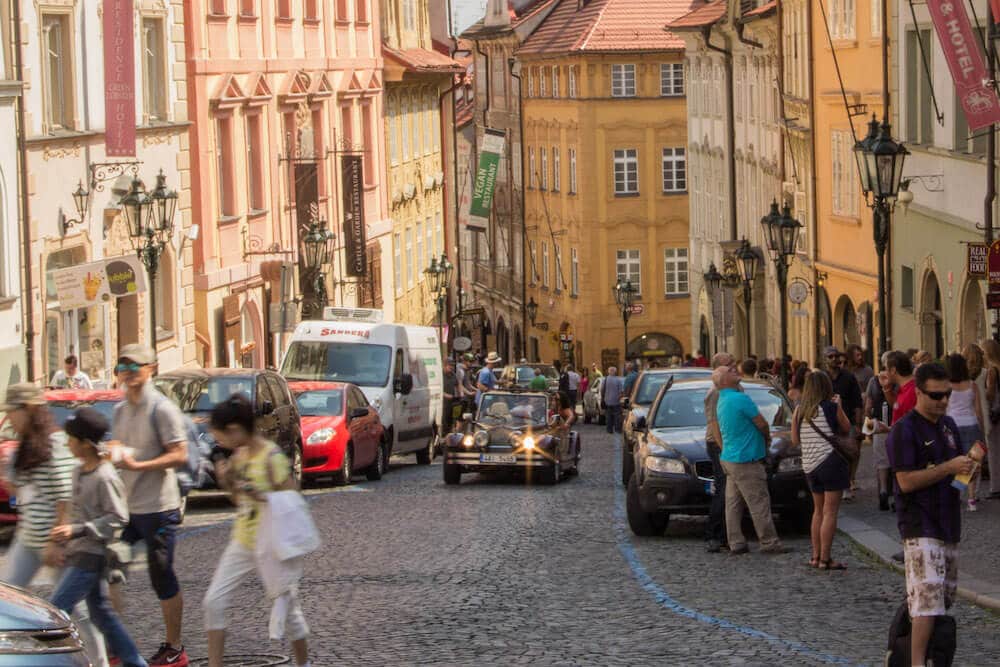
(248, 660)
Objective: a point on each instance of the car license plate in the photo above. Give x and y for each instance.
(497, 458)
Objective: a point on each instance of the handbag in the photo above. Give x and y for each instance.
(845, 445)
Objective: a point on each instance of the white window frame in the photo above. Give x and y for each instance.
(408, 239)
(628, 267)
(572, 82)
(842, 19)
(555, 81)
(545, 167)
(420, 257)
(572, 171)
(556, 168)
(876, 18)
(533, 258)
(543, 87)
(397, 262)
(674, 169)
(844, 179)
(560, 285)
(545, 264)
(155, 97)
(671, 79)
(676, 272)
(574, 272)
(532, 182)
(623, 80)
(531, 82)
(626, 171)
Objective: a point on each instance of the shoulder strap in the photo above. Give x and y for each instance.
(152, 422)
(828, 438)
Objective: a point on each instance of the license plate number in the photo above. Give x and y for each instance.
(497, 458)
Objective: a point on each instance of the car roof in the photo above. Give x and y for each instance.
(516, 393)
(688, 371)
(53, 395)
(701, 383)
(214, 372)
(301, 386)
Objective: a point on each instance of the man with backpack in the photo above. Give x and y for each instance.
(151, 437)
(925, 455)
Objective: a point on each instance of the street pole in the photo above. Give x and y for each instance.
(625, 316)
(880, 227)
(747, 302)
(783, 288)
(150, 256)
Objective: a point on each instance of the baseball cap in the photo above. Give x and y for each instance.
(830, 351)
(20, 395)
(87, 424)
(139, 353)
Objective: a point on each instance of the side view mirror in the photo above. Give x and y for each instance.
(403, 384)
(626, 404)
(358, 412)
(640, 424)
(266, 408)
(467, 416)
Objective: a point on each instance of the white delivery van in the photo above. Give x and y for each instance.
(397, 366)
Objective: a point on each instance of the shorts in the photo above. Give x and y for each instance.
(833, 474)
(880, 453)
(159, 531)
(968, 435)
(931, 575)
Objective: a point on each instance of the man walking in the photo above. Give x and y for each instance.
(845, 385)
(70, 376)
(485, 381)
(744, 432)
(631, 375)
(715, 529)
(152, 435)
(612, 391)
(925, 455)
(573, 385)
(900, 370)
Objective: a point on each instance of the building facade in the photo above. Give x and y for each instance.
(287, 97)
(67, 139)
(605, 135)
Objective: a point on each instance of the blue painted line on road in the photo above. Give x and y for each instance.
(664, 599)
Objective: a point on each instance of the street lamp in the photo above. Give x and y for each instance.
(439, 275)
(624, 297)
(747, 261)
(532, 309)
(713, 278)
(782, 233)
(150, 220)
(317, 250)
(880, 161)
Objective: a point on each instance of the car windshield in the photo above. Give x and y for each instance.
(513, 410)
(527, 373)
(650, 383)
(61, 411)
(201, 394)
(322, 403)
(685, 408)
(358, 363)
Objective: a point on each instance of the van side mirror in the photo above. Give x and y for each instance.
(358, 412)
(403, 384)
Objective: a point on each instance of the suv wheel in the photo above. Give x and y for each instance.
(643, 524)
(377, 468)
(628, 465)
(452, 474)
(343, 476)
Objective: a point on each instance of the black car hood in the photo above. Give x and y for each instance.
(688, 442)
(20, 610)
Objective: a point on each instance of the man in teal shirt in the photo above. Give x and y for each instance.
(631, 375)
(744, 436)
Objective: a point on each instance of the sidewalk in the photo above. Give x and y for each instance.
(979, 551)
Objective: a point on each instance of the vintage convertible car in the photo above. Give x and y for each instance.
(673, 472)
(513, 431)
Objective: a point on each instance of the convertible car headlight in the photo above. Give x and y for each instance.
(791, 464)
(481, 439)
(662, 464)
(467, 441)
(528, 442)
(320, 436)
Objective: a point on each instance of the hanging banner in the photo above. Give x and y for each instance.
(486, 179)
(98, 282)
(993, 267)
(352, 180)
(976, 262)
(119, 78)
(968, 69)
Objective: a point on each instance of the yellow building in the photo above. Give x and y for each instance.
(415, 77)
(846, 261)
(605, 136)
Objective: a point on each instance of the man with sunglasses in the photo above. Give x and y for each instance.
(152, 429)
(925, 455)
(845, 385)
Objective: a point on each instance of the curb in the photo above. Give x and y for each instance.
(981, 593)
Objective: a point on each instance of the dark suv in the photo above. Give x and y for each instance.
(197, 391)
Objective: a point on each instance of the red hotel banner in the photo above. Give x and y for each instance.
(119, 78)
(961, 50)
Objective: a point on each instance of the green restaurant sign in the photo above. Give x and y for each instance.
(486, 179)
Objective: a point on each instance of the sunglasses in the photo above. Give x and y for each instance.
(128, 368)
(938, 395)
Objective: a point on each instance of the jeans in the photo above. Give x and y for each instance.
(715, 529)
(747, 482)
(22, 565)
(613, 418)
(90, 585)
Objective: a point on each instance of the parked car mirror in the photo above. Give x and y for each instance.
(403, 384)
(626, 404)
(266, 408)
(358, 412)
(640, 424)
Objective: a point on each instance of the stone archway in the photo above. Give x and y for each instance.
(974, 327)
(931, 321)
(705, 338)
(659, 347)
(846, 323)
(824, 322)
(503, 340)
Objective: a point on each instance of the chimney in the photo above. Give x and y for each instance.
(497, 14)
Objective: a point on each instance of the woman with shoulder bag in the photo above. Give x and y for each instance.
(816, 425)
(991, 350)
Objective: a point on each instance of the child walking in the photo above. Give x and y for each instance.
(99, 513)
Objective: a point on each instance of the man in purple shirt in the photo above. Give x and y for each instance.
(925, 455)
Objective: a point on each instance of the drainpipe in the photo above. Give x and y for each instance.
(730, 125)
(27, 292)
(524, 235)
(454, 184)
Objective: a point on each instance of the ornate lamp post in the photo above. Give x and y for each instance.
(532, 309)
(150, 220)
(782, 233)
(747, 262)
(624, 297)
(439, 274)
(317, 249)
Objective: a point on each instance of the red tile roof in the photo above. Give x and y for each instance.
(705, 15)
(607, 26)
(423, 60)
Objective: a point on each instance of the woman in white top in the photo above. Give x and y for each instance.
(817, 422)
(966, 409)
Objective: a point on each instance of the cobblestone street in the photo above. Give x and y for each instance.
(495, 572)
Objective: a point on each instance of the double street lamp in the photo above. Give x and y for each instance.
(782, 233)
(747, 262)
(317, 252)
(439, 275)
(625, 297)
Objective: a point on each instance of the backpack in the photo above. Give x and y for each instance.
(940, 648)
(189, 475)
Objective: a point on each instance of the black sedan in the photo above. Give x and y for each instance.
(33, 632)
(673, 472)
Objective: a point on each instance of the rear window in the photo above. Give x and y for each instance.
(201, 394)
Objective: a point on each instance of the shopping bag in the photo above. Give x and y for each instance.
(291, 528)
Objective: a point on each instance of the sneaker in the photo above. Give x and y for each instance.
(739, 551)
(168, 655)
(972, 505)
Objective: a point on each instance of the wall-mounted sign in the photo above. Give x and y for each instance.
(352, 180)
(486, 178)
(637, 309)
(993, 267)
(798, 291)
(98, 282)
(977, 260)
(119, 78)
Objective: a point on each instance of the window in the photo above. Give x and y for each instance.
(876, 18)
(842, 19)
(572, 82)
(623, 80)
(404, 119)
(674, 170)
(439, 231)
(543, 89)
(255, 164)
(627, 171)
(906, 287)
(845, 178)
(397, 264)
(531, 167)
(248, 8)
(555, 81)
(361, 12)
(224, 166)
(545, 168)
(218, 7)
(675, 271)
(409, 14)
(627, 267)
(409, 258)
(57, 71)
(368, 136)
(154, 89)
(164, 286)
(545, 264)
(393, 123)
(531, 82)
(919, 105)
(417, 120)
(560, 285)
(421, 263)
(432, 250)
(574, 272)
(342, 10)
(533, 258)
(556, 168)
(311, 10)
(964, 143)
(285, 9)
(671, 79)
(428, 125)
(572, 171)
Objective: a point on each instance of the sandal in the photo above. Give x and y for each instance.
(813, 562)
(831, 564)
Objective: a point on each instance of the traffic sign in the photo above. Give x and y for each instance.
(636, 309)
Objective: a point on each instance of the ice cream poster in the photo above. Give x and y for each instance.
(99, 282)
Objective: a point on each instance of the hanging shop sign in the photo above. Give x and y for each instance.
(965, 61)
(993, 267)
(486, 179)
(976, 261)
(98, 282)
(119, 78)
(351, 176)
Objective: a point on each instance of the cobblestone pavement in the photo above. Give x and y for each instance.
(497, 573)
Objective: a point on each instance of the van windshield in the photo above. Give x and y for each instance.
(362, 364)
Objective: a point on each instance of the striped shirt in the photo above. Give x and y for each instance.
(39, 490)
(815, 447)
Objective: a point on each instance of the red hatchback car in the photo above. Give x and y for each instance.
(341, 431)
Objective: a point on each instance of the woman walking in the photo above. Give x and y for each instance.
(817, 422)
(797, 382)
(964, 408)
(991, 350)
